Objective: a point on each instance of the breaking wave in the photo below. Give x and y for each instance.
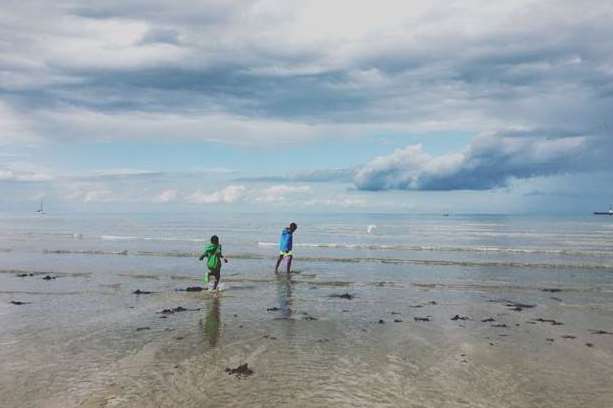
(356, 259)
(134, 238)
(432, 248)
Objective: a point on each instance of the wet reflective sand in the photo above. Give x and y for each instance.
(109, 347)
(425, 312)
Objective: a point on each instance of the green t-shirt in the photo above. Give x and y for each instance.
(213, 253)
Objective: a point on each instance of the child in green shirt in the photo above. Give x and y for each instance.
(213, 254)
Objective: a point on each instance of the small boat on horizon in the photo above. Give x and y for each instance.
(41, 209)
(610, 212)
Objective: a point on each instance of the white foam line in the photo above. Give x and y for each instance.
(116, 237)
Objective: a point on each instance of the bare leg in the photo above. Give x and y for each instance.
(217, 274)
(289, 263)
(278, 263)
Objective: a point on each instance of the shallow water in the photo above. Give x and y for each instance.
(84, 338)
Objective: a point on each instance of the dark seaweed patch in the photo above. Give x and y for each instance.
(347, 296)
(142, 292)
(177, 310)
(242, 370)
(552, 321)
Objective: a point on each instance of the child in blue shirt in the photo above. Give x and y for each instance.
(285, 245)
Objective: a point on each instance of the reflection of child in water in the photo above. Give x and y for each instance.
(213, 253)
(212, 322)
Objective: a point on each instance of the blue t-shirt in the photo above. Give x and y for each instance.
(285, 243)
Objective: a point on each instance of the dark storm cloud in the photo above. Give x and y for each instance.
(160, 35)
(194, 69)
(181, 89)
(489, 162)
(443, 76)
(160, 11)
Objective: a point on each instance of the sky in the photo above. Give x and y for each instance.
(325, 106)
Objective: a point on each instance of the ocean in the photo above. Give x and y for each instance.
(83, 338)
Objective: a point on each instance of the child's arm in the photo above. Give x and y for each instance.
(204, 255)
(223, 257)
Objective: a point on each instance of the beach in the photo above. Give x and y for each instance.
(420, 311)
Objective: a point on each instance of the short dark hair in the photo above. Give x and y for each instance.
(215, 239)
(293, 226)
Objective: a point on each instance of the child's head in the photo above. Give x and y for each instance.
(215, 240)
(293, 227)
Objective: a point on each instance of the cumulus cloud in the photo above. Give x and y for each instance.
(279, 192)
(25, 176)
(489, 162)
(227, 195)
(165, 196)
(342, 201)
(236, 193)
(22, 171)
(87, 195)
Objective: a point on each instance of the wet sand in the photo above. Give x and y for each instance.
(127, 340)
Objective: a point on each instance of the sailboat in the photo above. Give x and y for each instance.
(40, 210)
(610, 212)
